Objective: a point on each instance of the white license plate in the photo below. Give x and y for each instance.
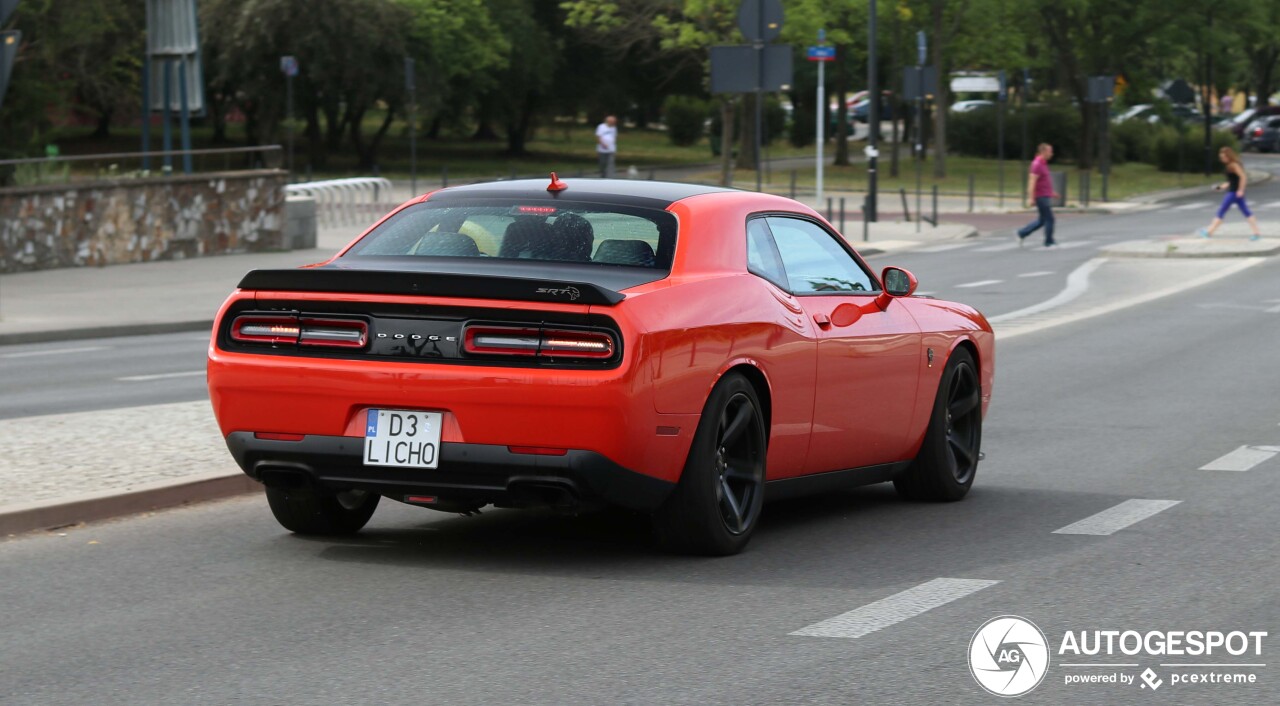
(396, 437)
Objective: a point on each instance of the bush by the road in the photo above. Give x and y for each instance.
(975, 133)
(1183, 150)
(1132, 141)
(684, 116)
(804, 128)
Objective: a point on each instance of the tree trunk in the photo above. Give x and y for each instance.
(103, 129)
(371, 157)
(315, 137)
(726, 142)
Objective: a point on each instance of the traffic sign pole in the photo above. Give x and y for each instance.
(873, 121)
(822, 119)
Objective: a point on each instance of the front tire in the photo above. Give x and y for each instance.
(308, 510)
(944, 469)
(715, 507)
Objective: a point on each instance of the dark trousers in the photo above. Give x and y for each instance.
(1044, 204)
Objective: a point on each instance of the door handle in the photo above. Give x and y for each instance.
(822, 320)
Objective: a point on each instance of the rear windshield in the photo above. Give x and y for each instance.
(563, 232)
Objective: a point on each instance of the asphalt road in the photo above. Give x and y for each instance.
(216, 604)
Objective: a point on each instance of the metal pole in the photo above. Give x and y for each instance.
(444, 176)
(935, 206)
(906, 212)
(842, 215)
(288, 111)
(168, 131)
(1000, 146)
(1026, 81)
(793, 182)
(822, 119)
(146, 112)
(873, 114)
(184, 120)
(830, 212)
(970, 193)
(759, 45)
(920, 57)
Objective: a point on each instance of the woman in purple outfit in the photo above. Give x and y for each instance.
(1234, 185)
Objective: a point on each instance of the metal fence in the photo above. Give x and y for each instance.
(126, 165)
(344, 202)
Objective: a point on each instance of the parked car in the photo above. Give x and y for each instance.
(967, 106)
(861, 110)
(1152, 114)
(1263, 135)
(1239, 124)
(679, 350)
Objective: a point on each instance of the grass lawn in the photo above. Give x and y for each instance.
(1126, 180)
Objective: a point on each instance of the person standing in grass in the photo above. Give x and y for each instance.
(1040, 189)
(607, 145)
(1235, 184)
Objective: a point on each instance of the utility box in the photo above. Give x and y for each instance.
(1060, 188)
(300, 223)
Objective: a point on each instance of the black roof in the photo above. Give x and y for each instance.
(631, 192)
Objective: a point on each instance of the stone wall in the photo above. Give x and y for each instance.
(139, 220)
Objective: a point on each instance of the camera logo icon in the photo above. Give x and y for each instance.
(1008, 656)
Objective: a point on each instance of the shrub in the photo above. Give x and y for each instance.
(1183, 150)
(1132, 141)
(684, 116)
(804, 129)
(976, 132)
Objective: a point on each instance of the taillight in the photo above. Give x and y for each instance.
(274, 330)
(1257, 132)
(290, 330)
(529, 342)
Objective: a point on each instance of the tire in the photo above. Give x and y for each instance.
(944, 469)
(715, 507)
(317, 511)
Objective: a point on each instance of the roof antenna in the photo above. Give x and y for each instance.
(556, 184)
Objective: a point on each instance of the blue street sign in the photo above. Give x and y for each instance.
(289, 65)
(822, 53)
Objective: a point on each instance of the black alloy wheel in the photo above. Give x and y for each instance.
(715, 507)
(947, 463)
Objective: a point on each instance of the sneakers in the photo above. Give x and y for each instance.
(1255, 236)
(1203, 232)
(1022, 239)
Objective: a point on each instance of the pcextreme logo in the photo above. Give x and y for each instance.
(1009, 656)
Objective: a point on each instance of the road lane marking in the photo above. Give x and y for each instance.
(895, 609)
(1117, 518)
(56, 351)
(1242, 459)
(1072, 244)
(945, 248)
(1273, 204)
(1075, 289)
(979, 283)
(160, 376)
(999, 248)
(1190, 206)
(1041, 273)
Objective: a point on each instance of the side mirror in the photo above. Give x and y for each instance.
(897, 283)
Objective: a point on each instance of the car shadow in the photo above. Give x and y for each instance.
(863, 537)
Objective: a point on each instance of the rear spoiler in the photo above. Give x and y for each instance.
(429, 284)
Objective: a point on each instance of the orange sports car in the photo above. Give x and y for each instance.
(681, 350)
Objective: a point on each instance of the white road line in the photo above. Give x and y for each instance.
(1073, 244)
(1077, 284)
(1041, 273)
(998, 248)
(925, 294)
(160, 376)
(1117, 518)
(1273, 204)
(945, 248)
(979, 283)
(1242, 459)
(56, 351)
(895, 609)
(1190, 206)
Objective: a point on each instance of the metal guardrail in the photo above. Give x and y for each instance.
(343, 202)
(69, 168)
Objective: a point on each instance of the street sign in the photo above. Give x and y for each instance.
(975, 84)
(1003, 95)
(1101, 89)
(6, 8)
(735, 69)
(9, 42)
(289, 65)
(173, 40)
(1179, 91)
(408, 75)
(822, 53)
(922, 47)
(919, 82)
(760, 20)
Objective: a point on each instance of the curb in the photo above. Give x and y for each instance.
(27, 517)
(73, 334)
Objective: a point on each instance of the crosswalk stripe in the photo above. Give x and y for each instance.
(895, 609)
(945, 248)
(980, 283)
(1041, 273)
(1117, 518)
(1190, 206)
(1242, 459)
(998, 248)
(1273, 204)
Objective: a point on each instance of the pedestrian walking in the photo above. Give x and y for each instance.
(1235, 184)
(1040, 190)
(607, 145)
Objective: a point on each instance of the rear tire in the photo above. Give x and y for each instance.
(317, 511)
(944, 469)
(715, 507)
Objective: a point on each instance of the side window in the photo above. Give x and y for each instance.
(762, 255)
(815, 263)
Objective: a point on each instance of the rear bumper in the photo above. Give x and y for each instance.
(467, 473)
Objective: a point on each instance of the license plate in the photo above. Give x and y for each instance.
(396, 437)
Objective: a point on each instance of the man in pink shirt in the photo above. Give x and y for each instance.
(1040, 188)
